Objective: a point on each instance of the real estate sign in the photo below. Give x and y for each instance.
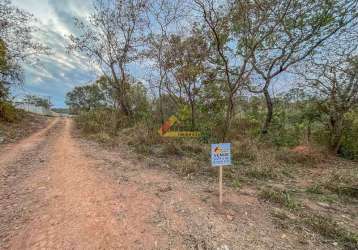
(221, 154)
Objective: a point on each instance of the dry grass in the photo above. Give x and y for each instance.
(282, 197)
(258, 163)
(320, 224)
(28, 124)
(343, 183)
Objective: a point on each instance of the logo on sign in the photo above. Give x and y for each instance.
(165, 129)
(221, 154)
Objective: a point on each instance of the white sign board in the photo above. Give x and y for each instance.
(221, 154)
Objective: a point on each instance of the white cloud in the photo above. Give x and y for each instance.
(60, 71)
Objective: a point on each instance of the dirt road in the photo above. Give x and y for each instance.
(58, 191)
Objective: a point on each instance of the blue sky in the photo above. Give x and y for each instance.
(60, 72)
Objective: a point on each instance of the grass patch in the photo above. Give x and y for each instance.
(237, 184)
(261, 173)
(320, 224)
(186, 166)
(338, 186)
(315, 189)
(330, 229)
(101, 137)
(344, 184)
(283, 198)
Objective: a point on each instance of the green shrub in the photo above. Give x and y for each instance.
(9, 113)
(237, 184)
(349, 148)
(99, 120)
(315, 189)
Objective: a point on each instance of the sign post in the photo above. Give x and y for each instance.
(221, 185)
(220, 156)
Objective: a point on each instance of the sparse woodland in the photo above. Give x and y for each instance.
(281, 72)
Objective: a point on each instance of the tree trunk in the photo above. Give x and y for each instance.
(192, 106)
(269, 106)
(309, 132)
(336, 133)
(229, 116)
(161, 111)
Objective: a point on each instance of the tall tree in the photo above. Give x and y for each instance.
(232, 73)
(112, 39)
(164, 14)
(185, 61)
(86, 97)
(281, 33)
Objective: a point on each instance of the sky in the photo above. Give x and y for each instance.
(58, 73)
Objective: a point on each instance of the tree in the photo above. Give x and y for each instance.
(86, 97)
(111, 39)
(275, 35)
(3, 68)
(335, 82)
(164, 14)
(185, 60)
(305, 109)
(231, 73)
(17, 44)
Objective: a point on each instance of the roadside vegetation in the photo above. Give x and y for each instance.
(17, 48)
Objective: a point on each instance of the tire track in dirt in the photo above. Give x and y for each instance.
(19, 194)
(11, 151)
(83, 211)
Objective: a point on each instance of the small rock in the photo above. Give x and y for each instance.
(283, 236)
(335, 243)
(229, 217)
(322, 204)
(223, 247)
(165, 189)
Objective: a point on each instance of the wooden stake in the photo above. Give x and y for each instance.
(221, 185)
